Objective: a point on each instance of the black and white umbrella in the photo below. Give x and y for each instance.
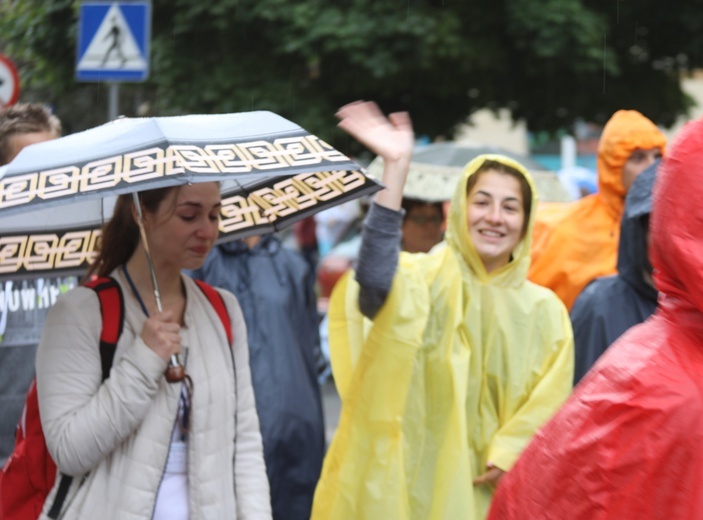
(55, 195)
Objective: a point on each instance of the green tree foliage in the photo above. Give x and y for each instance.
(549, 62)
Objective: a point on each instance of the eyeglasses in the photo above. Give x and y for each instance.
(423, 220)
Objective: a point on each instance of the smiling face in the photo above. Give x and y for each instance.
(183, 230)
(496, 217)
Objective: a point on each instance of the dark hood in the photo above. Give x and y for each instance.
(633, 258)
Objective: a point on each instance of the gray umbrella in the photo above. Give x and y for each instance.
(436, 168)
(273, 171)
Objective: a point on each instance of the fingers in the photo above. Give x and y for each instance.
(361, 110)
(162, 335)
(481, 479)
(361, 118)
(490, 477)
(401, 121)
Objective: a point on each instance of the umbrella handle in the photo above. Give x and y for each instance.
(175, 371)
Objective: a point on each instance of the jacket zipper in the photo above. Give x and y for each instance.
(163, 471)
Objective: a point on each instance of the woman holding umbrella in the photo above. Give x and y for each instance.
(463, 360)
(137, 445)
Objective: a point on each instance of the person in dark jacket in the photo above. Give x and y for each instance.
(610, 305)
(275, 288)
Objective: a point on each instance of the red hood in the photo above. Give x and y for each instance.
(677, 221)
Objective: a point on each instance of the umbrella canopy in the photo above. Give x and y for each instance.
(53, 194)
(436, 168)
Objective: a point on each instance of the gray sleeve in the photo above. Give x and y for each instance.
(378, 257)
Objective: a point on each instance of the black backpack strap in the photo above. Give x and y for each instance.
(112, 312)
(60, 498)
(215, 299)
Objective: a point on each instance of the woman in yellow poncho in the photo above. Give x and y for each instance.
(463, 359)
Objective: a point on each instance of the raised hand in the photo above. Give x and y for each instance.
(390, 137)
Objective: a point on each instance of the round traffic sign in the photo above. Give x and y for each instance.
(9, 82)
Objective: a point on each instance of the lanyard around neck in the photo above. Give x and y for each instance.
(134, 290)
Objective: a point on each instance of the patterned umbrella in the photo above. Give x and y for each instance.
(55, 195)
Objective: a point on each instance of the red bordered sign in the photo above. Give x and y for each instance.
(9, 82)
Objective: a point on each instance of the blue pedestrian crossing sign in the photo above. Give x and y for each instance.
(113, 41)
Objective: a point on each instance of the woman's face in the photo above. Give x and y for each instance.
(495, 212)
(183, 230)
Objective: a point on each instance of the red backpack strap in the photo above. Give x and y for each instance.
(218, 303)
(112, 312)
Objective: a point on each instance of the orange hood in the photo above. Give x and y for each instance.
(626, 131)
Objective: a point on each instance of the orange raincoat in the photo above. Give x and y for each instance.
(627, 443)
(578, 242)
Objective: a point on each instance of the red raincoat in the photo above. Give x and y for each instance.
(628, 444)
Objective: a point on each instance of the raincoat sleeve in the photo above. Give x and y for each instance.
(551, 386)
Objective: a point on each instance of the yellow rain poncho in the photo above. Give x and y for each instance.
(459, 368)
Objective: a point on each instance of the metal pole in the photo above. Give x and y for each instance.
(175, 371)
(113, 108)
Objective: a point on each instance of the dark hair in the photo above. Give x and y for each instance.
(409, 204)
(25, 118)
(507, 170)
(120, 234)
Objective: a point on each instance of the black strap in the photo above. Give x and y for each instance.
(61, 493)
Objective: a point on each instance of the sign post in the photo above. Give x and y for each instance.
(9, 82)
(113, 44)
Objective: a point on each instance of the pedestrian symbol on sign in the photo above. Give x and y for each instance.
(113, 46)
(116, 43)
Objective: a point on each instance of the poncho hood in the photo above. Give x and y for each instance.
(676, 243)
(515, 272)
(625, 132)
(633, 258)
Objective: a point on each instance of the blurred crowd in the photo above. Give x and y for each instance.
(496, 356)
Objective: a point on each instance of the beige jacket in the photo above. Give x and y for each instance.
(113, 438)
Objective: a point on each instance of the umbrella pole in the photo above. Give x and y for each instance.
(175, 371)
